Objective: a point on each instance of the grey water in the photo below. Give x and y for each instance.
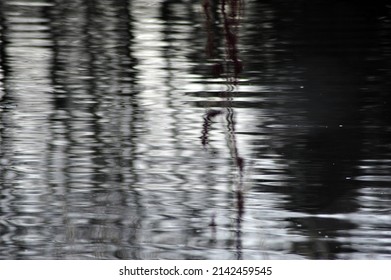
(178, 129)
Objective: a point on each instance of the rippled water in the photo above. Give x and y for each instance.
(175, 130)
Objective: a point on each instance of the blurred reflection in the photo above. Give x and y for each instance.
(25, 58)
(94, 122)
(103, 102)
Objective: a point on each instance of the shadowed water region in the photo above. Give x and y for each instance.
(178, 129)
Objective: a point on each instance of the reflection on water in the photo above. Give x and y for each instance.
(194, 130)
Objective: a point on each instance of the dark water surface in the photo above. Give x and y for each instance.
(143, 129)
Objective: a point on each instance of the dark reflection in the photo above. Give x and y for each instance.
(328, 50)
(331, 55)
(322, 241)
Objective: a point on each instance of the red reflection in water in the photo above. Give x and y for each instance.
(230, 68)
